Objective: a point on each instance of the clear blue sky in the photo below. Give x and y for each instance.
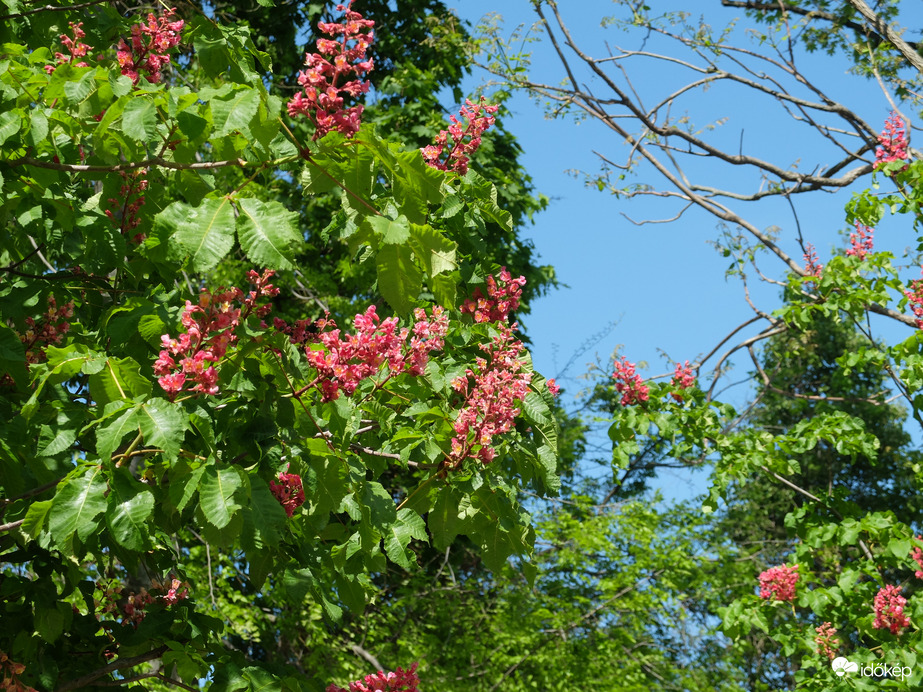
(664, 285)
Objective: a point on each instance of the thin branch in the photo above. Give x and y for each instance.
(52, 8)
(120, 664)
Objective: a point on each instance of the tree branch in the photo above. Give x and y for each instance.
(111, 668)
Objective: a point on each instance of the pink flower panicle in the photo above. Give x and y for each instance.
(917, 555)
(131, 199)
(629, 384)
(464, 141)
(399, 680)
(682, 379)
(861, 242)
(490, 389)
(345, 361)
(502, 298)
(147, 50)
(76, 50)
(9, 675)
(812, 268)
(915, 297)
(49, 328)
(210, 329)
(335, 61)
(893, 141)
(553, 387)
(825, 641)
(288, 491)
(177, 592)
(778, 583)
(889, 610)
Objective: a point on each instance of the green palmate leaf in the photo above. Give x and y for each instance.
(110, 434)
(390, 231)
(268, 515)
(216, 492)
(163, 425)
(139, 119)
(79, 501)
(118, 379)
(397, 537)
(130, 505)
(399, 280)
(435, 252)
(35, 517)
(447, 518)
(10, 122)
(268, 233)
(232, 112)
(207, 234)
(183, 484)
(12, 355)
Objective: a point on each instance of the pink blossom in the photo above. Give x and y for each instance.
(629, 384)
(861, 242)
(502, 298)
(74, 47)
(553, 387)
(398, 681)
(464, 142)
(177, 592)
(915, 297)
(210, 328)
(778, 583)
(812, 267)
(825, 641)
(288, 491)
(146, 51)
(344, 362)
(917, 555)
(490, 391)
(323, 87)
(893, 141)
(889, 610)
(682, 379)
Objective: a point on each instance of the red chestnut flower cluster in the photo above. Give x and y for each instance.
(778, 583)
(9, 672)
(812, 268)
(131, 199)
(399, 680)
(345, 361)
(889, 610)
(861, 242)
(502, 298)
(629, 384)
(917, 556)
(288, 491)
(210, 327)
(75, 48)
(682, 379)
(893, 141)
(915, 297)
(49, 328)
(337, 69)
(497, 381)
(825, 641)
(464, 141)
(147, 50)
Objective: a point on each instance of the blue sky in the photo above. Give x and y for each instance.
(664, 285)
